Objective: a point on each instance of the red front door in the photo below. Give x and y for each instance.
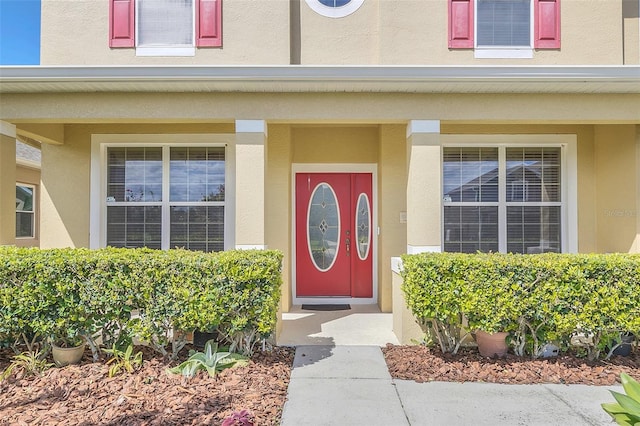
(334, 234)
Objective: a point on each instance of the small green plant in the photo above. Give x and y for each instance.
(210, 360)
(627, 410)
(123, 361)
(29, 362)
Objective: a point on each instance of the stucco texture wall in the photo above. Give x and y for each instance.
(415, 32)
(77, 33)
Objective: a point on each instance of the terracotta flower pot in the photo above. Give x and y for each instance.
(66, 356)
(492, 345)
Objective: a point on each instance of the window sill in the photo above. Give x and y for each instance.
(502, 53)
(166, 51)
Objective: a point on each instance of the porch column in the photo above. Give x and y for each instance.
(424, 186)
(251, 138)
(7, 183)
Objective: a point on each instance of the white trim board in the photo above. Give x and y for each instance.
(335, 168)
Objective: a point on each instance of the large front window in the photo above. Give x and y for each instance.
(505, 199)
(166, 197)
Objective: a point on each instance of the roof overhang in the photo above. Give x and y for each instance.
(302, 78)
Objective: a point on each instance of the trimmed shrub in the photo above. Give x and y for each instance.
(538, 298)
(53, 294)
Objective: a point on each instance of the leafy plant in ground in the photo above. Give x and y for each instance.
(239, 418)
(123, 361)
(210, 360)
(31, 363)
(627, 410)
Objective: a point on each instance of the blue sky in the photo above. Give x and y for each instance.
(20, 32)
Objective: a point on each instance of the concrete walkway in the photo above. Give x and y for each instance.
(350, 385)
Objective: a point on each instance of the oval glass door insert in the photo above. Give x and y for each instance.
(323, 226)
(363, 226)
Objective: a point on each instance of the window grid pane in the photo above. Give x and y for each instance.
(134, 174)
(533, 229)
(469, 229)
(165, 23)
(533, 175)
(470, 174)
(504, 23)
(134, 226)
(197, 227)
(197, 174)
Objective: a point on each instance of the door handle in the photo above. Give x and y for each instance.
(348, 244)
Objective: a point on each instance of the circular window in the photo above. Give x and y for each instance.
(334, 8)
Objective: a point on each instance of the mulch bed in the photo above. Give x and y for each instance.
(424, 364)
(85, 395)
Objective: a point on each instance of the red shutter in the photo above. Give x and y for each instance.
(121, 24)
(209, 23)
(547, 24)
(461, 24)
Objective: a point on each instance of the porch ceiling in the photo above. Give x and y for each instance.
(270, 79)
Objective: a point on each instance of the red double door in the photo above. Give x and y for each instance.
(334, 234)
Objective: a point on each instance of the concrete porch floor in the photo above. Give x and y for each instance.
(360, 325)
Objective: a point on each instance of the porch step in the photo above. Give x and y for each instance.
(360, 325)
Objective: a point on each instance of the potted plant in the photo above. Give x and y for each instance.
(67, 347)
(492, 313)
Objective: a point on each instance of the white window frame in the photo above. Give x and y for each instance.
(503, 52)
(98, 197)
(334, 12)
(32, 212)
(169, 50)
(568, 180)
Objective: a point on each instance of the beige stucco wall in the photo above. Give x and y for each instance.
(415, 32)
(392, 182)
(615, 152)
(77, 33)
(278, 202)
(320, 107)
(32, 177)
(7, 186)
(379, 32)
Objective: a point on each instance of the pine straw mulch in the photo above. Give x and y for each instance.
(423, 364)
(85, 395)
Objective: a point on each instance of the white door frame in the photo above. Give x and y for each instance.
(336, 168)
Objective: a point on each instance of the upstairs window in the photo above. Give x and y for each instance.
(164, 23)
(165, 27)
(504, 28)
(504, 23)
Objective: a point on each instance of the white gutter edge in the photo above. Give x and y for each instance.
(582, 73)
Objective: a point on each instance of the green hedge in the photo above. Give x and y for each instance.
(538, 298)
(64, 293)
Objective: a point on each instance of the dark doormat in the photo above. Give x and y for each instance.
(326, 307)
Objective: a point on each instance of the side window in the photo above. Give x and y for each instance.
(25, 211)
